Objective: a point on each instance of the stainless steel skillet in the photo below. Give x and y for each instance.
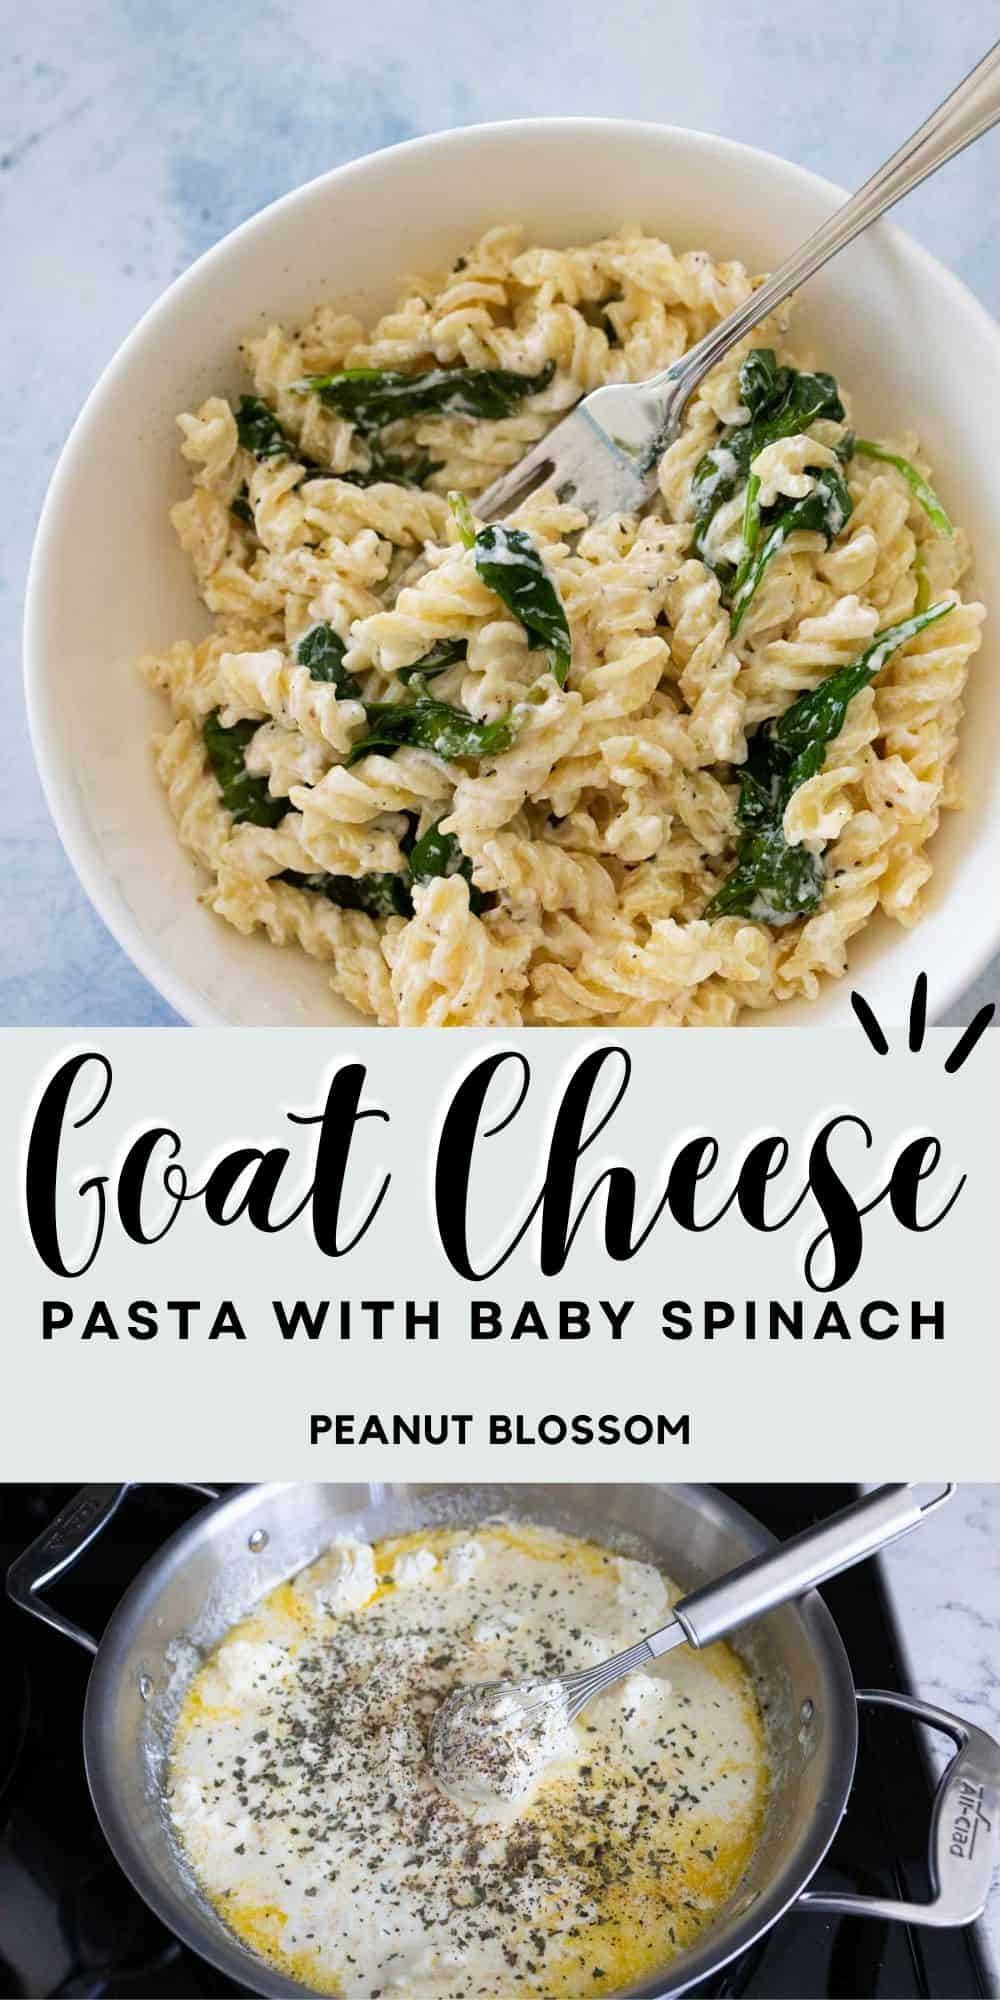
(216, 1567)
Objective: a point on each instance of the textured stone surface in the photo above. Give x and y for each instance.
(945, 1579)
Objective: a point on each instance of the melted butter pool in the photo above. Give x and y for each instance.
(300, 1791)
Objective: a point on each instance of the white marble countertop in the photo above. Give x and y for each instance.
(945, 1580)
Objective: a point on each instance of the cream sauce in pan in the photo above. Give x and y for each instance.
(301, 1792)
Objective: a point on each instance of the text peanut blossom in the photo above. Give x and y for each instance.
(335, 1176)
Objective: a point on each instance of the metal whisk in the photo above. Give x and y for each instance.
(705, 1615)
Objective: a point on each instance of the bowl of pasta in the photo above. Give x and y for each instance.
(323, 750)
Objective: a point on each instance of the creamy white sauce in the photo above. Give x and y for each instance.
(301, 1790)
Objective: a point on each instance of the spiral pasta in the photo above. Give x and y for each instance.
(376, 757)
(447, 968)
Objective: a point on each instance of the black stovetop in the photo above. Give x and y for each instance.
(70, 1924)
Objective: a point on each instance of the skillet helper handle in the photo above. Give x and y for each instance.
(62, 1543)
(964, 1833)
(808, 1559)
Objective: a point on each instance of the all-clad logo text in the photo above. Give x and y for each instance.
(967, 1821)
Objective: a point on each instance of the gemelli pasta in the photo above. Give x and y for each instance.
(657, 769)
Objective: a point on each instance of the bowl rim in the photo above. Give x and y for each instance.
(78, 841)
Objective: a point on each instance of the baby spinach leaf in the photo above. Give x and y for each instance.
(751, 516)
(242, 509)
(791, 749)
(511, 565)
(259, 431)
(809, 397)
(915, 481)
(321, 649)
(244, 796)
(763, 382)
(717, 476)
(427, 724)
(445, 653)
(437, 853)
(392, 468)
(800, 736)
(373, 397)
(782, 401)
(376, 895)
(772, 881)
(824, 511)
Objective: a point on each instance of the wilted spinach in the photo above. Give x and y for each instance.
(510, 564)
(321, 650)
(259, 430)
(376, 895)
(396, 468)
(446, 653)
(373, 397)
(244, 796)
(242, 509)
(800, 736)
(772, 881)
(427, 724)
(824, 511)
(781, 401)
(915, 481)
(437, 853)
(434, 854)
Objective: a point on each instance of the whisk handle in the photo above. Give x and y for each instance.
(810, 1558)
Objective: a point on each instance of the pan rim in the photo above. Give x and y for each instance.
(173, 1903)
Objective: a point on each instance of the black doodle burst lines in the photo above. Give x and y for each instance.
(967, 1041)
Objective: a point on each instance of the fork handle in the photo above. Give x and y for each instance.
(963, 117)
(798, 1565)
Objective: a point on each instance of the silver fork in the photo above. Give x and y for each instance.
(603, 457)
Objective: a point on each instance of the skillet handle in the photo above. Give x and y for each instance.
(964, 1834)
(62, 1543)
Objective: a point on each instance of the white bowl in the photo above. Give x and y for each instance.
(108, 581)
